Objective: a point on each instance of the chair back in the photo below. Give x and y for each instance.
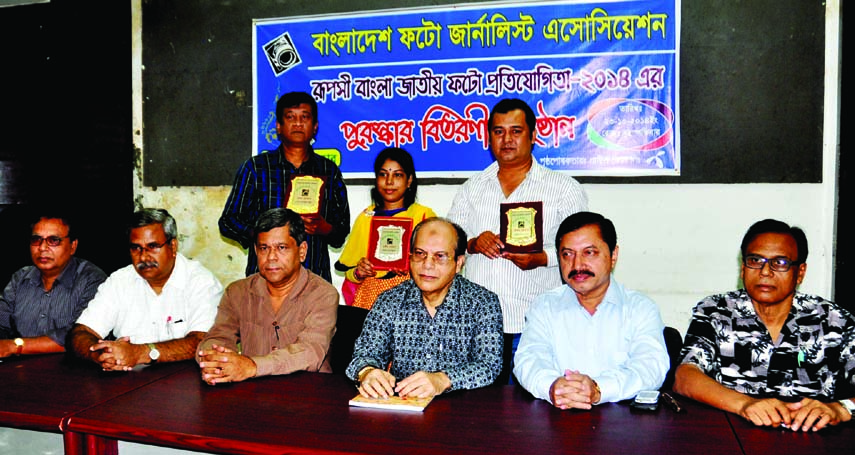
(507, 360)
(674, 343)
(347, 329)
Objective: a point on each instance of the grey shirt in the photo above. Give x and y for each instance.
(27, 310)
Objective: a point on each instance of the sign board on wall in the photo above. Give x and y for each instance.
(601, 76)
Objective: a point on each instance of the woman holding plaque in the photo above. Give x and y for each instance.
(375, 257)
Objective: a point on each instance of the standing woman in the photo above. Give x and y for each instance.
(394, 194)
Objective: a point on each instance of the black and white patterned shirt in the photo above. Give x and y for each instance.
(728, 341)
(463, 339)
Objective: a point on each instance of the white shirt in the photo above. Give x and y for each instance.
(126, 304)
(621, 346)
(476, 209)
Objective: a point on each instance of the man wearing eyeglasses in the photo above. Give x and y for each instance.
(42, 301)
(157, 309)
(283, 317)
(434, 333)
(772, 355)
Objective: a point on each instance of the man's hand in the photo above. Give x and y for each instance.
(377, 383)
(574, 390)
(364, 269)
(812, 415)
(527, 261)
(488, 244)
(7, 348)
(119, 355)
(766, 412)
(422, 384)
(316, 225)
(221, 364)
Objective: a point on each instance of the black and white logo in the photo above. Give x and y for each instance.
(282, 54)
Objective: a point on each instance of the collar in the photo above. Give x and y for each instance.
(179, 277)
(66, 278)
(258, 287)
(613, 296)
(279, 157)
(451, 300)
(535, 172)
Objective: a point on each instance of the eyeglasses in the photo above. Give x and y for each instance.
(778, 264)
(440, 258)
(150, 248)
(51, 240)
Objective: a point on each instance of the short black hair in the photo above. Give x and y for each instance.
(405, 160)
(770, 226)
(56, 214)
(579, 220)
(279, 217)
(460, 245)
(294, 99)
(511, 104)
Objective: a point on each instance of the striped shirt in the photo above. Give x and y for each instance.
(262, 184)
(476, 209)
(27, 310)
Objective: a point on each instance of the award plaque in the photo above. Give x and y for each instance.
(389, 243)
(522, 227)
(305, 194)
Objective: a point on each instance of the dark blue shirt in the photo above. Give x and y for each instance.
(27, 310)
(262, 184)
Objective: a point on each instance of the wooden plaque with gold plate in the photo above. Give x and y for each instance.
(389, 243)
(305, 194)
(522, 227)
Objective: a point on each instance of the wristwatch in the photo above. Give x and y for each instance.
(19, 342)
(153, 353)
(849, 405)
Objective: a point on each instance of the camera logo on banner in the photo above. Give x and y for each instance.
(282, 54)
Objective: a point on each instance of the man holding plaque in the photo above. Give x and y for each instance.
(511, 212)
(291, 176)
(592, 341)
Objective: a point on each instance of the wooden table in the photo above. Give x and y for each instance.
(39, 392)
(308, 413)
(755, 440)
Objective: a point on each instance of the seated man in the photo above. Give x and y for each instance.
(42, 301)
(283, 316)
(158, 308)
(772, 355)
(592, 341)
(439, 331)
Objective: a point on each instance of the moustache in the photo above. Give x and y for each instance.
(146, 265)
(580, 272)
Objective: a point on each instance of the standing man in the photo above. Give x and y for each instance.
(264, 181)
(439, 331)
(283, 317)
(592, 341)
(42, 301)
(514, 177)
(158, 308)
(767, 353)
